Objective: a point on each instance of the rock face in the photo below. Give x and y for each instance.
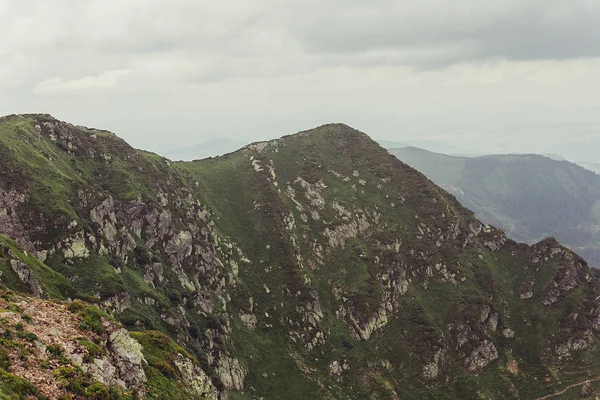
(313, 266)
(128, 358)
(195, 380)
(27, 276)
(480, 357)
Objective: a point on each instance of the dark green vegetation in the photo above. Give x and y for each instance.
(13, 387)
(529, 196)
(314, 266)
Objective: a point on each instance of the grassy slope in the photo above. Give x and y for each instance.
(236, 189)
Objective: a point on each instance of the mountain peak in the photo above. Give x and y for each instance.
(336, 129)
(338, 135)
(44, 122)
(24, 116)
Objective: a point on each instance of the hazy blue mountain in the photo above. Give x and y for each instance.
(530, 196)
(210, 148)
(556, 157)
(595, 167)
(437, 146)
(389, 144)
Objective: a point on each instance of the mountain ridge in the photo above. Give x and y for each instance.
(317, 265)
(500, 187)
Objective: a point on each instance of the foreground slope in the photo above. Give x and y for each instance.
(73, 350)
(313, 266)
(530, 196)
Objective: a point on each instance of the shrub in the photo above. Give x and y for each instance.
(29, 336)
(54, 350)
(4, 360)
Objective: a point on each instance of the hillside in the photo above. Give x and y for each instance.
(312, 266)
(529, 196)
(61, 349)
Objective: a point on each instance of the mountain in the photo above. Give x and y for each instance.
(555, 157)
(210, 148)
(529, 196)
(315, 266)
(391, 144)
(595, 167)
(438, 146)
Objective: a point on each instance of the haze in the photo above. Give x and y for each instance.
(510, 76)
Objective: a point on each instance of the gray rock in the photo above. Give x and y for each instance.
(127, 356)
(231, 373)
(195, 380)
(27, 276)
(481, 356)
(508, 333)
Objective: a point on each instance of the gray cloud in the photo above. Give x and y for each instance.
(236, 39)
(201, 69)
(508, 29)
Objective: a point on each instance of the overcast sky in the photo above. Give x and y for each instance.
(493, 76)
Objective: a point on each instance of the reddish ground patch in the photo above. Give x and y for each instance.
(513, 367)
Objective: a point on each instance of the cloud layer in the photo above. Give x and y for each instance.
(394, 68)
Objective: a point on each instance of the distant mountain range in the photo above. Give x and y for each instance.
(437, 146)
(210, 148)
(530, 196)
(591, 166)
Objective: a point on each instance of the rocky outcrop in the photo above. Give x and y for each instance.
(231, 372)
(432, 370)
(570, 274)
(195, 381)
(27, 276)
(582, 341)
(127, 357)
(364, 330)
(481, 356)
(10, 222)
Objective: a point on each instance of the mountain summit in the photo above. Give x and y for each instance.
(312, 266)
